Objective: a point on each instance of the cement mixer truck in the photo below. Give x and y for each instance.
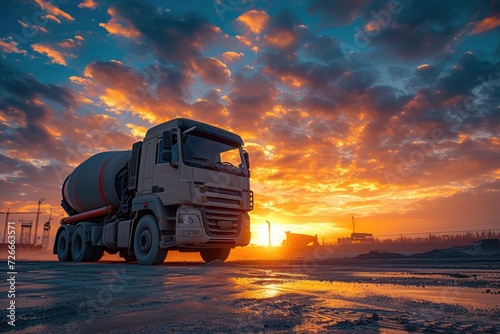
(185, 187)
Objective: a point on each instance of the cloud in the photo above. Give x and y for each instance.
(410, 31)
(52, 9)
(173, 39)
(8, 45)
(212, 71)
(115, 28)
(337, 12)
(55, 56)
(28, 25)
(251, 96)
(282, 30)
(155, 93)
(87, 4)
(177, 42)
(53, 18)
(254, 20)
(42, 117)
(26, 106)
(231, 56)
(70, 43)
(486, 24)
(324, 48)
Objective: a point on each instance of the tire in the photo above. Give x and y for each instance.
(212, 254)
(98, 253)
(64, 246)
(147, 242)
(129, 258)
(82, 250)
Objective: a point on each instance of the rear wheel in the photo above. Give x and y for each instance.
(212, 254)
(63, 246)
(147, 242)
(82, 250)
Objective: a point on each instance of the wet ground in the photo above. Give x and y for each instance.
(337, 295)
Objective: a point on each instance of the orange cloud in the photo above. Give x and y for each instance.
(244, 40)
(79, 80)
(232, 56)
(486, 24)
(212, 70)
(52, 18)
(32, 26)
(50, 8)
(88, 4)
(138, 131)
(55, 56)
(8, 45)
(423, 66)
(115, 28)
(70, 43)
(280, 39)
(255, 20)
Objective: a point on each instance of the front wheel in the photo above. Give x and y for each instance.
(212, 254)
(64, 246)
(147, 242)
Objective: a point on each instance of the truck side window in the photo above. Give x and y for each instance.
(159, 150)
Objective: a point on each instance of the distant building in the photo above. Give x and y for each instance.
(357, 238)
(361, 236)
(295, 239)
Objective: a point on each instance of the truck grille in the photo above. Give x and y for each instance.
(221, 222)
(228, 198)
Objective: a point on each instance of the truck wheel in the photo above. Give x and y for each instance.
(64, 246)
(147, 242)
(129, 258)
(98, 253)
(211, 254)
(82, 250)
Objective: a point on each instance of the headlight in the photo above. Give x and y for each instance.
(189, 219)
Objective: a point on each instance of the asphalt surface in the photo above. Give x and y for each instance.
(305, 296)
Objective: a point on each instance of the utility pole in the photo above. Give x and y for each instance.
(46, 232)
(269, 231)
(37, 218)
(7, 214)
(353, 229)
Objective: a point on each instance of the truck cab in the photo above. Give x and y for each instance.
(200, 174)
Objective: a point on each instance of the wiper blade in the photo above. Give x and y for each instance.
(204, 159)
(227, 163)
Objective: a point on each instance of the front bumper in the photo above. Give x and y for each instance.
(211, 227)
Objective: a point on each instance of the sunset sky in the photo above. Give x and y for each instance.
(386, 111)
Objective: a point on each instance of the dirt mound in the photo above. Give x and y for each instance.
(485, 247)
(380, 256)
(482, 248)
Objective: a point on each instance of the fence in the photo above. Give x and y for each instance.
(410, 243)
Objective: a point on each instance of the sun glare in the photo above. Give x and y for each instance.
(260, 233)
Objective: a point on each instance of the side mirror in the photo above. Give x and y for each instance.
(247, 159)
(167, 140)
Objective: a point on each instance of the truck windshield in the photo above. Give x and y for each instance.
(207, 153)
